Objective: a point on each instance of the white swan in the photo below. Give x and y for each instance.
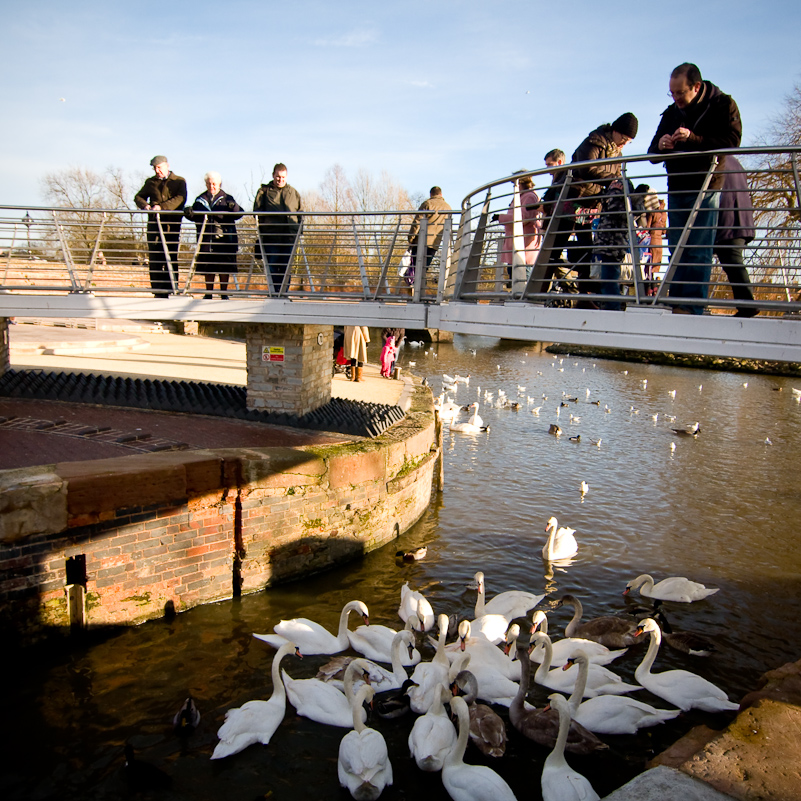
(565, 648)
(311, 637)
(415, 603)
(375, 642)
(600, 681)
(474, 425)
(363, 765)
(482, 651)
(381, 679)
(321, 702)
(676, 588)
(612, 714)
(255, 721)
(429, 676)
(432, 737)
(470, 782)
(509, 604)
(561, 543)
(559, 781)
(681, 688)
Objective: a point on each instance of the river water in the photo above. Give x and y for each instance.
(721, 509)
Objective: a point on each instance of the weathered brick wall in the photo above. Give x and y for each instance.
(170, 531)
(298, 378)
(4, 346)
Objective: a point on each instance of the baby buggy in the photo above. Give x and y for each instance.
(341, 364)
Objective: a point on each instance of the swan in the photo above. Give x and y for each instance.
(611, 631)
(311, 637)
(490, 627)
(487, 729)
(469, 427)
(681, 688)
(432, 737)
(600, 680)
(482, 651)
(415, 603)
(509, 604)
(379, 678)
(542, 725)
(461, 379)
(363, 765)
(559, 781)
(255, 721)
(567, 647)
(612, 714)
(688, 642)
(375, 642)
(449, 410)
(470, 782)
(676, 588)
(320, 701)
(561, 543)
(493, 686)
(429, 676)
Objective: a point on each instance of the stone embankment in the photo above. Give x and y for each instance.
(122, 540)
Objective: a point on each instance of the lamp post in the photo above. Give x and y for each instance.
(27, 221)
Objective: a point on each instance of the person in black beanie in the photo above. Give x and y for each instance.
(585, 194)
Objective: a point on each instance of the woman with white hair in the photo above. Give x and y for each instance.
(218, 239)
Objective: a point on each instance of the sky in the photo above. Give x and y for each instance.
(437, 92)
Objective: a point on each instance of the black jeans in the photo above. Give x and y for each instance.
(730, 256)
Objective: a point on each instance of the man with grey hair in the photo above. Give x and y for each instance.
(164, 196)
(215, 213)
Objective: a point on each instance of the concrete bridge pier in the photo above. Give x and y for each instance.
(289, 367)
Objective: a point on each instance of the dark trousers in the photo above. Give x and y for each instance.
(579, 252)
(730, 256)
(160, 281)
(277, 253)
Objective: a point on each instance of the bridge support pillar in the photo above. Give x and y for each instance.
(5, 358)
(289, 367)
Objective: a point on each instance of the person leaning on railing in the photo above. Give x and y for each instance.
(435, 226)
(701, 118)
(164, 194)
(218, 237)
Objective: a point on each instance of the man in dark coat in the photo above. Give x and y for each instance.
(736, 229)
(164, 195)
(701, 118)
(277, 232)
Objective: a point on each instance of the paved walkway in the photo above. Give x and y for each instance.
(46, 432)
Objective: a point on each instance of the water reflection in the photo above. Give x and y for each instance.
(716, 509)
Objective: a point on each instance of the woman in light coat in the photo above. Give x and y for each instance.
(355, 347)
(531, 215)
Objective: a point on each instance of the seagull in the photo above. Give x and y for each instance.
(672, 446)
(607, 409)
(596, 442)
(672, 393)
(690, 430)
(745, 385)
(655, 417)
(767, 441)
(585, 487)
(574, 419)
(796, 392)
(536, 410)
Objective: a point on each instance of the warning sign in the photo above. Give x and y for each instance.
(272, 353)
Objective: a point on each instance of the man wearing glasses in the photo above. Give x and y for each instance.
(701, 118)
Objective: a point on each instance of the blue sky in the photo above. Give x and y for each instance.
(435, 92)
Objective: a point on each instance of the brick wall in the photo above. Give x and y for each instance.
(296, 377)
(163, 532)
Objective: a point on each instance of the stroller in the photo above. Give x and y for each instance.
(341, 364)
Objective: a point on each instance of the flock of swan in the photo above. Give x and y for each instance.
(495, 657)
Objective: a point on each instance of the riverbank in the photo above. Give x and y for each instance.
(679, 360)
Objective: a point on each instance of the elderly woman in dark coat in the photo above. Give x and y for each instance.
(218, 238)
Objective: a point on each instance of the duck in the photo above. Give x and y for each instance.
(575, 438)
(417, 555)
(394, 703)
(688, 642)
(609, 630)
(561, 543)
(509, 604)
(542, 725)
(611, 714)
(555, 430)
(681, 688)
(415, 603)
(470, 782)
(487, 729)
(565, 648)
(187, 719)
(428, 676)
(676, 588)
(432, 736)
(600, 680)
(559, 781)
(363, 764)
(375, 642)
(323, 703)
(255, 721)
(142, 776)
(311, 637)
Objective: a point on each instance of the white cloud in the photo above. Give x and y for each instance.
(358, 38)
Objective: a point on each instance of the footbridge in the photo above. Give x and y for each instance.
(500, 269)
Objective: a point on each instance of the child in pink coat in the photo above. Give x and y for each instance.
(388, 354)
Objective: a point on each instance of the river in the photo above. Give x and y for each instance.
(721, 509)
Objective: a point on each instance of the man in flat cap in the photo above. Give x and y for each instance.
(164, 195)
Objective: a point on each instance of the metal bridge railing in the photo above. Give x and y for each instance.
(510, 249)
(502, 246)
